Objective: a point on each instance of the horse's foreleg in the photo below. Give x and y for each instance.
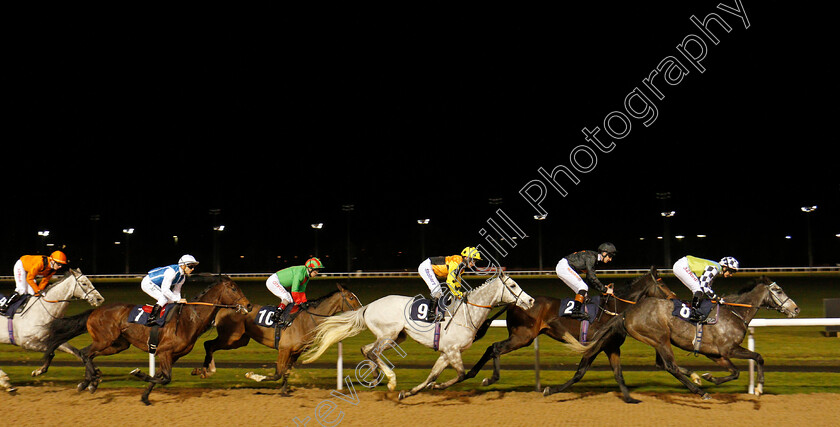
(519, 338)
(47, 360)
(727, 364)
(742, 353)
(669, 364)
(583, 366)
(4, 382)
(457, 363)
(438, 367)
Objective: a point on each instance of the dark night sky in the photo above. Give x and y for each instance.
(279, 119)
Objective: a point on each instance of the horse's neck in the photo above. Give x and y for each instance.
(60, 293)
(487, 294)
(753, 298)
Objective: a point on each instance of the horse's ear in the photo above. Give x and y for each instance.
(653, 271)
(340, 288)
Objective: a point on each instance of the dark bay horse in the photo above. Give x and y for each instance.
(544, 318)
(652, 323)
(236, 329)
(111, 332)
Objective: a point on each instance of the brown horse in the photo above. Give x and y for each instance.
(236, 329)
(544, 318)
(652, 323)
(112, 333)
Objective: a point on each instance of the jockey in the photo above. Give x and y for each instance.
(164, 284)
(688, 268)
(569, 268)
(27, 268)
(449, 268)
(296, 279)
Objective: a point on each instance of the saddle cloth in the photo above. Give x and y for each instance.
(140, 314)
(591, 307)
(422, 310)
(683, 310)
(267, 316)
(16, 306)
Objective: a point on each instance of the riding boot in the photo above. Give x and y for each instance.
(284, 315)
(12, 299)
(695, 315)
(577, 307)
(153, 315)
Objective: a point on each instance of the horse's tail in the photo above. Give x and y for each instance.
(334, 329)
(614, 327)
(64, 329)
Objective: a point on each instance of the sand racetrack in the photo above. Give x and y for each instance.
(260, 407)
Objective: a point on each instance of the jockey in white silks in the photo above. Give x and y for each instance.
(164, 283)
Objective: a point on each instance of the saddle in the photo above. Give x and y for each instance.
(15, 307)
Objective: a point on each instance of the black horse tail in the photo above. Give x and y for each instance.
(613, 329)
(65, 329)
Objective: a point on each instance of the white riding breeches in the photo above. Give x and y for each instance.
(21, 285)
(686, 276)
(278, 289)
(428, 275)
(570, 277)
(154, 291)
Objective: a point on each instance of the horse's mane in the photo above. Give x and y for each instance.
(749, 287)
(631, 289)
(221, 279)
(322, 298)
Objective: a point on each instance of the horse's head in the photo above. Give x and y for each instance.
(348, 298)
(228, 293)
(515, 294)
(647, 285)
(776, 298)
(83, 288)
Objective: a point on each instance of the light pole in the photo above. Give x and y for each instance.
(349, 208)
(43, 234)
(808, 210)
(315, 227)
(540, 219)
(128, 232)
(666, 235)
(422, 223)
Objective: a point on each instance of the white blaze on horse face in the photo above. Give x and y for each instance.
(785, 303)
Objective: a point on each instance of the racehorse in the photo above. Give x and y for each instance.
(386, 318)
(236, 329)
(111, 332)
(544, 318)
(30, 328)
(651, 322)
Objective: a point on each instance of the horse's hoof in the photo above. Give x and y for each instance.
(631, 400)
(547, 391)
(485, 382)
(696, 378)
(706, 396)
(759, 390)
(402, 395)
(37, 372)
(11, 390)
(82, 385)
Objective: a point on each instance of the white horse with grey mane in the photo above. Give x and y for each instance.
(386, 318)
(29, 328)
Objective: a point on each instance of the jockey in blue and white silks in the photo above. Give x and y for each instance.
(164, 283)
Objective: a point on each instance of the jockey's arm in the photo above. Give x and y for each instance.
(166, 286)
(454, 275)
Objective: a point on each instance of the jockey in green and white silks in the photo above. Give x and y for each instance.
(295, 279)
(164, 283)
(697, 274)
